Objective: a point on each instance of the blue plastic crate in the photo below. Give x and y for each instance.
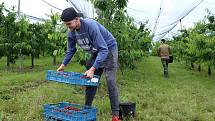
(65, 111)
(72, 78)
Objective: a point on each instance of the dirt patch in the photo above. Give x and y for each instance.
(11, 92)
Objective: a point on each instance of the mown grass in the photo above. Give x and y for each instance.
(185, 96)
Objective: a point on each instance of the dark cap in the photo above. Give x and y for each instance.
(163, 40)
(69, 14)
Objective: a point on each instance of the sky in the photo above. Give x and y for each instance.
(171, 10)
(140, 10)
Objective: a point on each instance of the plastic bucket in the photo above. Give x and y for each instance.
(127, 110)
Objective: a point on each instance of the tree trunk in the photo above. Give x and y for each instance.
(8, 61)
(199, 68)
(209, 70)
(32, 60)
(54, 60)
(192, 65)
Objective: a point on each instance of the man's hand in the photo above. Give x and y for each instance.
(90, 72)
(61, 68)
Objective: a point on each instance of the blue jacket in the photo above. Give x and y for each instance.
(93, 38)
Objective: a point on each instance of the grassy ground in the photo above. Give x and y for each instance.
(185, 96)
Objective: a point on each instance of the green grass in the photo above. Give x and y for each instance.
(185, 96)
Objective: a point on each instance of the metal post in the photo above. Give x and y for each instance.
(180, 24)
(20, 50)
(18, 8)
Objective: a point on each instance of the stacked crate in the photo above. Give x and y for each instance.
(64, 111)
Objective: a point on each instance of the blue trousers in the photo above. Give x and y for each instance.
(109, 68)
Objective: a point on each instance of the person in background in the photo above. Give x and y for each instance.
(164, 52)
(96, 40)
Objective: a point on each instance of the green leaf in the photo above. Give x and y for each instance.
(55, 52)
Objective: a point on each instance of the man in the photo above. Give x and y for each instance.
(95, 39)
(164, 52)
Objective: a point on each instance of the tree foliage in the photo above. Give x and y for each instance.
(8, 29)
(133, 42)
(19, 37)
(196, 44)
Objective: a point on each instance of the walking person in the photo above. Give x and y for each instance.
(164, 52)
(95, 39)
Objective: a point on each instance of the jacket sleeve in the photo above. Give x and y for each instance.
(71, 50)
(158, 51)
(99, 43)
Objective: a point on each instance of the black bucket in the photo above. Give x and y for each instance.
(127, 110)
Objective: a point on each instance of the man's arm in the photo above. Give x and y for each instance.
(158, 51)
(69, 54)
(71, 51)
(99, 43)
(170, 52)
